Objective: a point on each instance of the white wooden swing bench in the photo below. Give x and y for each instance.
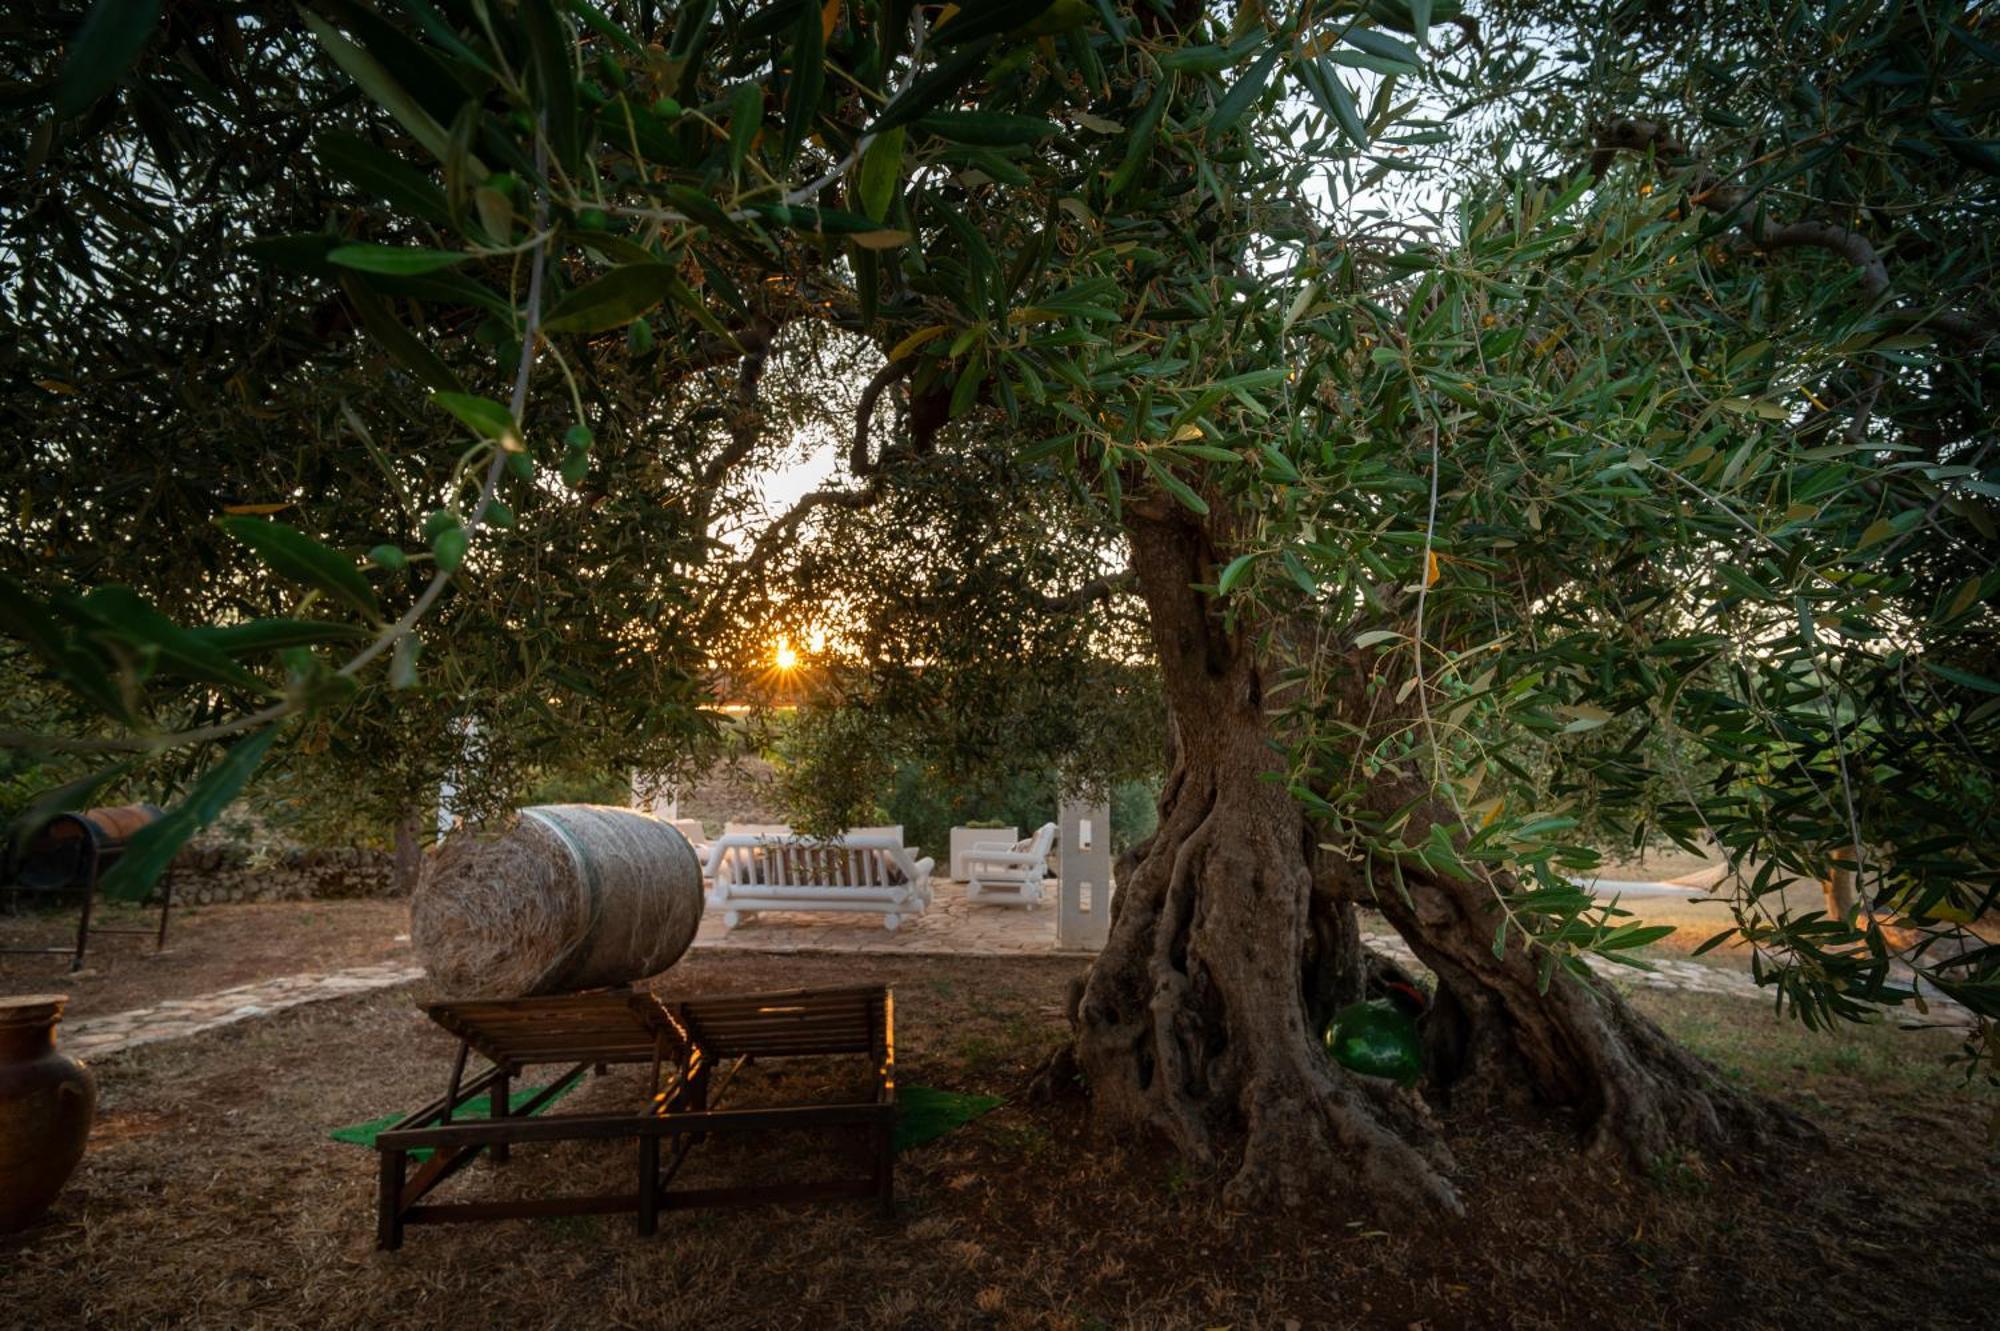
(862, 872)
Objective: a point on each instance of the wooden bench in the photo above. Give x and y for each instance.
(684, 1043)
(871, 872)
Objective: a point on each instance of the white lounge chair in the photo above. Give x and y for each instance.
(1009, 875)
(696, 835)
(858, 873)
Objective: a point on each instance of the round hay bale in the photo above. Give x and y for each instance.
(573, 896)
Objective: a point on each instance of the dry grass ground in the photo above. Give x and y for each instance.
(208, 948)
(212, 1197)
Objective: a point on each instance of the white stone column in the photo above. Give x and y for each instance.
(1083, 899)
(656, 795)
(467, 730)
(447, 815)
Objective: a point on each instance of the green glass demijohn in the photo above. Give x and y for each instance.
(1378, 1039)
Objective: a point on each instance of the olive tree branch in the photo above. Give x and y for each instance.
(1714, 192)
(812, 189)
(408, 620)
(864, 412)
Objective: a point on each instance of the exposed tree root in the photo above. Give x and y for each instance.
(1497, 1039)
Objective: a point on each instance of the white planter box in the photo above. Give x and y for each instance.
(964, 839)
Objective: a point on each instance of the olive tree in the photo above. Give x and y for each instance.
(1457, 384)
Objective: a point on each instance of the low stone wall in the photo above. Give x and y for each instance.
(739, 791)
(212, 875)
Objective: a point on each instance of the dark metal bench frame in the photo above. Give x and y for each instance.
(686, 1041)
(84, 882)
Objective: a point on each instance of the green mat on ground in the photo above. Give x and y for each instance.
(923, 1114)
(480, 1107)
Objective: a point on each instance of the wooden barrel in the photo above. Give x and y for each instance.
(572, 896)
(59, 853)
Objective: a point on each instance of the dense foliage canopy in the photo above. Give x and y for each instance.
(1581, 412)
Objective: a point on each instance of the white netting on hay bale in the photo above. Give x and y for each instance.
(573, 896)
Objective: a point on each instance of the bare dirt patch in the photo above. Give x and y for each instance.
(1654, 864)
(1696, 917)
(212, 1197)
(208, 948)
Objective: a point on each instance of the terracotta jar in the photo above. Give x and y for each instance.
(46, 1101)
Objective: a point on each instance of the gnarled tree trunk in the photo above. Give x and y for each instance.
(1233, 938)
(1199, 1018)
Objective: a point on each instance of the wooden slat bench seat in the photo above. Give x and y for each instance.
(684, 1043)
